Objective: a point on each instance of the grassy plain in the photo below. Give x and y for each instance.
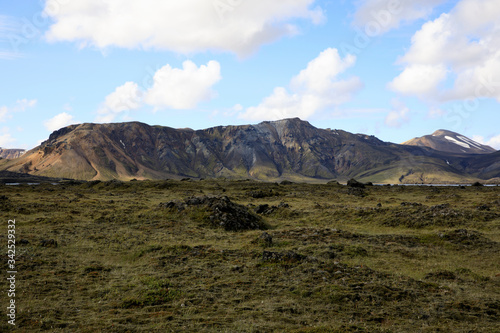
(110, 257)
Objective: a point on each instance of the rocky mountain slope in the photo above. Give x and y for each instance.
(11, 153)
(450, 142)
(287, 149)
(483, 166)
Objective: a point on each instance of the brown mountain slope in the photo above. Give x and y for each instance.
(286, 149)
(451, 142)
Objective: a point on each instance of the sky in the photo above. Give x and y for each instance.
(396, 69)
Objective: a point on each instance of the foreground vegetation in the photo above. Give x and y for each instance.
(146, 257)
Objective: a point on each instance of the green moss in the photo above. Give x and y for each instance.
(123, 263)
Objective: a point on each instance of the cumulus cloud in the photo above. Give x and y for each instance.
(493, 141)
(61, 120)
(380, 16)
(314, 89)
(183, 89)
(399, 115)
(419, 80)
(461, 46)
(182, 26)
(173, 88)
(124, 98)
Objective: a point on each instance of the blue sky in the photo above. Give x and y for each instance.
(390, 68)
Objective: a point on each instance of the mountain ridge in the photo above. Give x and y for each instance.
(451, 142)
(272, 150)
(11, 153)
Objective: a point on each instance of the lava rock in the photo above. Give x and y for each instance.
(222, 212)
(261, 194)
(266, 239)
(355, 183)
(288, 257)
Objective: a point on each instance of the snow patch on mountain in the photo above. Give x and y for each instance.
(471, 142)
(455, 141)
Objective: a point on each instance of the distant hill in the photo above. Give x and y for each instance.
(11, 153)
(7, 177)
(451, 142)
(287, 149)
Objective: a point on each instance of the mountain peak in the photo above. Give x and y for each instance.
(442, 132)
(451, 142)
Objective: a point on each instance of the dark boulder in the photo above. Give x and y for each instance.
(354, 183)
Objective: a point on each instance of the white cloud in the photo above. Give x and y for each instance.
(23, 104)
(419, 80)
(4, 113)
(183, 26)
(493, 141)
(61, 120)
(5, 137)
(399, 115)
(173, 88)
(124, 98)
(183, 89)
(20, 106)
(380, 16)
(465, 42)
(314, 89)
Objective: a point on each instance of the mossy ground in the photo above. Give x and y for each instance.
(382, 259)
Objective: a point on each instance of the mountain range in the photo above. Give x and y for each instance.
(11, 153)
(287, 149)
